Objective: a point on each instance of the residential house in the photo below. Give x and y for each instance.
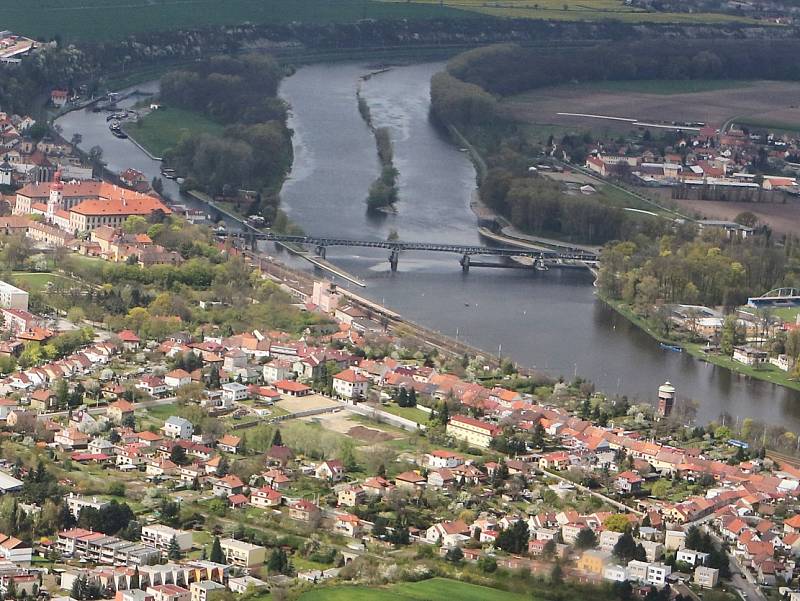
(304, 511)
(331, 470)
(177, 427)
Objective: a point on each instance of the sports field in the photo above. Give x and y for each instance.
(435, 589)
(113, 19)
(586, 10)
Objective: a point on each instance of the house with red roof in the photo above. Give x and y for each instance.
(350, 385)
(119, 411)
(130, 341)
(292, 388)
(628, 482)
(331, 470)
(265, 497)
(472, 431)
(304, 511)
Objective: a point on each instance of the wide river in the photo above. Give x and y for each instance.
(548, 320)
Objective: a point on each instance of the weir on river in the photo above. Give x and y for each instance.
(550, 320)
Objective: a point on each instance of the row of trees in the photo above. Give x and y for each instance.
(509, 69)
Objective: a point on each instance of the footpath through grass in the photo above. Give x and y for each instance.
(435, 589)
(161, 129)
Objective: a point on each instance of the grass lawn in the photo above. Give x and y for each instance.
(435, 589)
(112, 19)
(35, 282)
(788, 314)
(160, 412)
(160, 130)
(412, 413)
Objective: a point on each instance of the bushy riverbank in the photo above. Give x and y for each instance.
(767, 373)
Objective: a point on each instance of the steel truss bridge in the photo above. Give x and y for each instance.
(540, 258)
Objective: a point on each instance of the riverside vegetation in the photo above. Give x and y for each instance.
(648, 263)
(383, 191)
(254, 151)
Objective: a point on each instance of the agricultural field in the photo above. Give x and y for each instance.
(160, 130)
(589, 10)
(710, 102)
(782, 218)
(435, 589)
(113, 19)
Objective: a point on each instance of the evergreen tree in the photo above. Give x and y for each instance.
(586, 539)
(454, 555)
(216, 554)
(174, 549)
(412, 398)
(223, 467)
(625, 548)
(277, 439)
(402, 397)
(557, 573)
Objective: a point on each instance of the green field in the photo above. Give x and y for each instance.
(35, 282)
(587, 10)
(114, 19)
(788, 314)
(435, 589)
(159, 130)
(775, 126)
(412, 413)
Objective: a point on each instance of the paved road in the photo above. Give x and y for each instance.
(740, 578)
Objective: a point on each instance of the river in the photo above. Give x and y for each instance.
(548, 320)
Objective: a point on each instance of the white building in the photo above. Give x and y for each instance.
(615, 573)
(178, 427)
(693, 558)
(160, 536)
(200, 590)
(12, 297)
(242, 583)
(233, 391)
(75, 503)
(350, 385)
(657, 574)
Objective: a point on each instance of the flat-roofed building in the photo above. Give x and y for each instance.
(242, 554)
(12, 297)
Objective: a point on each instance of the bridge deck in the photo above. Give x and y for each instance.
(398, 246)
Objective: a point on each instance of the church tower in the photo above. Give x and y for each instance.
(55, 202)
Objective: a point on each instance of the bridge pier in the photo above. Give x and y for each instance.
(320, 250)
(393, 260)
(465, 263)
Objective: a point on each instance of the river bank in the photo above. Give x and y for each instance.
(768, 373)
(551, 320)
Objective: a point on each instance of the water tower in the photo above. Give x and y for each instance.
(666, 399)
